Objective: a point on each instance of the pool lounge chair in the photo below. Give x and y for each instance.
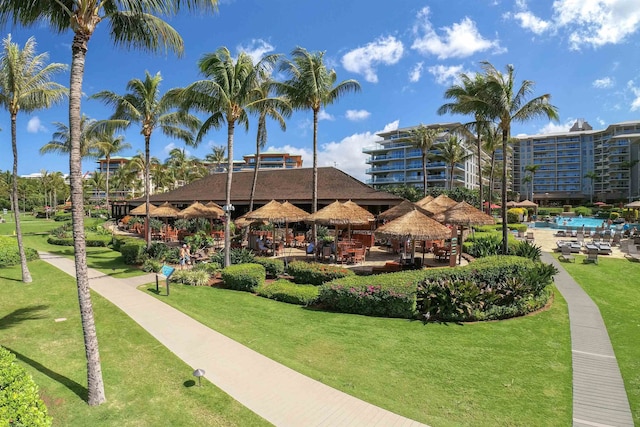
(561, 233)
(592, 257)
(632, 252)
(604, 248)
(566, 254)
(591, 247)
(574, 247)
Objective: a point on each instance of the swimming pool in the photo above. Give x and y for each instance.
(577, 222)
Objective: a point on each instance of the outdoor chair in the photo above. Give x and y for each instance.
(632, 252)
(580, 237)
(326, 253)
(592, 257)
(530, 237)
(358, 255)
(566, 254)
(561, 233)
(616, 239)
(604, 248)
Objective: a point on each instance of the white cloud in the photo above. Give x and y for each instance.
(603, 83)
(170, 146)
(552, 127)
(458, 41)
(387, 50)
(446, 75)
(345, 154)
(601, 122)
(357, 115)
(531, 22)
(323, 115)
(416, 72)
(635, 104)
(256, 49)
(34, 125)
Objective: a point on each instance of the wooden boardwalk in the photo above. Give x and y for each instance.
(599, 396)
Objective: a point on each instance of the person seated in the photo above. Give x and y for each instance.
(310, 249)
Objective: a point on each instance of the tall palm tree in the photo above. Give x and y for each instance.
(216, 157)
(25, 84)
(144, 105)
(424, 138)
(226, 93)
(108, 145)
(506, 103)
(532, 169)
(591, 176)
(492, 141)
(452, 152)
(527, 183)
(311, 86)
(132, 24)
(97, 182)
(464, 96)
(61, 142)
(57, 184)
(274, 108)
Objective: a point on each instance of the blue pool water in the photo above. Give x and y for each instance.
(576, 222)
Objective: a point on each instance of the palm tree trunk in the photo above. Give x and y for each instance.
(255, 172)
(424, 173)
(227, 223)
(314, 190)
(26, 275)
(505, 246)
(479, 142)
(147, 189)
(95, 384)
(451, 176)
(491, 181)
(107, 185)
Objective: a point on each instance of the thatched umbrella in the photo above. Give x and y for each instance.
(444, 200)
(142, 209)
(165, 210)
(528, 204)
(398, 210)
(634, 205)
(198, 210)
(464, 214)
(337, 213)
(215, 208)
(512, 204)
(272, 211)
(294, 213)
(424, 201)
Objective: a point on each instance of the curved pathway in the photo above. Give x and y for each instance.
(280, 395)
(599, 396)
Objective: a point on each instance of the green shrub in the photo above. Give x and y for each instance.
(133, 253)
(211, 268)
(488, 228)
(191, 277)
(158, 251)
(273, 266)
(484, 246)
(285, 291)
(68, 241)
(117, 241)
(172, 256)
(243, 277)
(152, 266)
(237, 256)
(527, 249)
(583, 210)
(516, 227)
(62, 216)
(9, 254)
(315, 273)
(384, 295)
(614, 215)
(20, 404)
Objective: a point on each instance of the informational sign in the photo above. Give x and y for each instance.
(454, 252)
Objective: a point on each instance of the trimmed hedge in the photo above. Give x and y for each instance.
(273, 266)
(191, 277)
(134, 252)
(285, 291)
(315, 273)
(9, 254)
(95, 242)
(20, 404)
(243, 277)
(384, 295)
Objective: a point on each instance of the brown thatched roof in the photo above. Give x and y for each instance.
(338, 214)
(216, 208)
(293, 185)
(294, 213)
(399, 210)
(165, 210)
(526, 204)
(635, 204)
(414, 225)
(272, 211)
(198, 210)
(424, 201)
(464, 214)
(358, 212)
(444, 200)
(141, 210)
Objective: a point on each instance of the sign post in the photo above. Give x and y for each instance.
(454, 252)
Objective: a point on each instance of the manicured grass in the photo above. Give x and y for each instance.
(515, 372)
(146, 384)
(613, 286)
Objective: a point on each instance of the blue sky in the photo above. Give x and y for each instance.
(404, 54)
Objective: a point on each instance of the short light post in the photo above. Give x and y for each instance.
(199, 373)
(228, 208)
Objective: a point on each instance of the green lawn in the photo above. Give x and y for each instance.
(146, 384)
(613, 286)
(514, 372)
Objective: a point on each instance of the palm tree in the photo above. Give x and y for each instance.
(452, 152)
(61, 142)
(492, 140)
(592, 176)
(504, 102)
(97, 182)
(275, 108)
(527, 183)
(107, 145)
(532, 169)
(464, 96)
(226, 93)
(144, 106)
(132, 24)
(423, 138)
(216, 157)
(311, 86)
(25, 84)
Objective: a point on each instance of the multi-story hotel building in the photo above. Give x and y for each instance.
(395, 161)
(566, 162)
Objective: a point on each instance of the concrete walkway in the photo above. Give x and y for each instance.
(273, 391)
(599, 396)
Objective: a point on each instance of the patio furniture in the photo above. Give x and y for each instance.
(559, 233)
(573, 246)
(566, 254)
(604, 248)
(530, 237)
(632, 252)
(592, 256)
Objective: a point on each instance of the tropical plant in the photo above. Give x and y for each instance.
(452, 152)
(492, 140)
(274, 108)
(592, 176)
(226, 93)
(311, 86)
(423, 138)
(216, 157)
(145, 106)
(61, 142)
(504, 102)
(532, 169)
(25, 84)
(132, 24)
(107, 145)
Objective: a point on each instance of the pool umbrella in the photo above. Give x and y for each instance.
(165, 210)
(424, 201)
(216, 208)
(464, 214)
(493, 205)
(341, 214)
(198, 210)
(272, 212)
(634, 205)
(512, 204)
(142, 209)
(398, 210)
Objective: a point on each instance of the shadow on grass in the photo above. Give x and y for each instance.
(189, 383)
(78, 389)
(22, 314)
(10, 279)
